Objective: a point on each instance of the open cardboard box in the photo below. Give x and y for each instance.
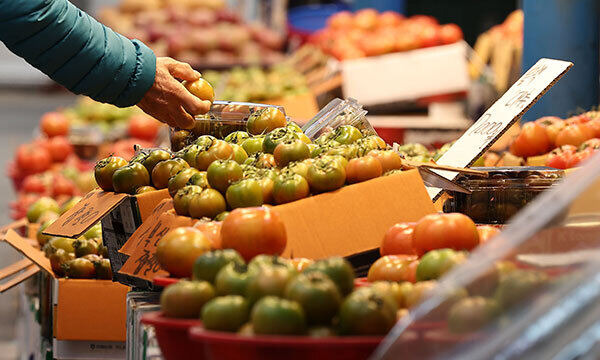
(300, 108)
(349, 222)
(82, 309)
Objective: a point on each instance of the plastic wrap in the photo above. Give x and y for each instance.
(337, 113)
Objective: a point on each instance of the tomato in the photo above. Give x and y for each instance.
(179, 248)
(164, 170)
(105, 169)
(54, 124)
(181, 179)
(208, 265)
(253, 145)
(517, 286)
(573, 135)
(254, 231)
(129, 178)
(578, 119)
(33, 159)
(393, 268)
(261, 160)
(450, 33)
(142, 126)
(189, 154)
(222, 216)
(436, 263)
(199, 179)
(471, 314)
(265, 120)
(290, 187)
(269, 280)
(398, 240)
(145, 189)
(346, 134)
(591, 144)
(237, 137)
(233, 279)
(267, 184)
(103, 269)
(59, 148)
(277, 136)
(183, 198)
(301, 263)
(275, 316)
(79, 269)
(212, 231)
(318, 296)
(389, 159)
(338, 269)
(35, 184)
(532, 140)
(347, 151)
(222, 173)
(594, 126)
(487, 232)
(290, 150)
(326, 175)
(560, 157)
(244, 193)
(367, 312)
(239, 154)
(201, 89)
(227, 313)
(553, 125)
(62, 243)
(85, 247)
(39, 207)
(578, 158)
(41, 238)
(153, 158)
(58, 258)
(362, 169)
(185, 299)
(217, 150)
(438, 231)
(298, 168)
(209, 203)
(62, 186)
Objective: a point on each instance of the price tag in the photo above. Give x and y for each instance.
(142, 262)
(148, 228)
(85, 214)
(500, 116)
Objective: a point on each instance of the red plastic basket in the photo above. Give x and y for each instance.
(225, 346)
(164, 281)
(172, 336)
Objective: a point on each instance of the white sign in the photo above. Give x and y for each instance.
(500, 116)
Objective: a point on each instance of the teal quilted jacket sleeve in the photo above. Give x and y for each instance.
(76, 51)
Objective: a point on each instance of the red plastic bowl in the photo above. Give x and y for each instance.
(164, 281)
(225, 346)
(172, 336)
(361, 282)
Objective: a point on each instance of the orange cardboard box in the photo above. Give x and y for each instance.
(301, 108)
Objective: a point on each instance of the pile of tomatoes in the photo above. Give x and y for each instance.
(369, 33)
(568, 142)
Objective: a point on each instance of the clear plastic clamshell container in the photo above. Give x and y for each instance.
(495, 199)
(223, 118)
(531, 292)
(335, 114)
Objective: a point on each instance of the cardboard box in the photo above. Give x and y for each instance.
(300, 108)
(407, 75)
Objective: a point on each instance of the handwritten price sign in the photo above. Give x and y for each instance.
(500, 116)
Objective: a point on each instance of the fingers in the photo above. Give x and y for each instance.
(183, 119)
(182, 71)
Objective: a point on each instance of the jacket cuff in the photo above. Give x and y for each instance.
(142, 77)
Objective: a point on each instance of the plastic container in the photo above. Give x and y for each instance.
(229, 346)
(337, 113)
(172, 336)
(495, 199)
(223, 118)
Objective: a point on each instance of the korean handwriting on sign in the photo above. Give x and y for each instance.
(147, 263)
(531, 74)
(154, 232)
(486, 127)
(520, 100)
(81, 215)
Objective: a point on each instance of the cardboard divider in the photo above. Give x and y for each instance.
(14, 268)
(24, 247)
(28, 272)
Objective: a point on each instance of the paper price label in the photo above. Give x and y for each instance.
(148, 229)
(500, 116)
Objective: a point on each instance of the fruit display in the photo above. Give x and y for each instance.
(369, 33)
(254, 84)
(202, 33)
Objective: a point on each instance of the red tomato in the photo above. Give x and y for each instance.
(54, 124)
(553, 125)
(253, 231)
(398, 240)
(450, 33)
(579, 157)
(33, 159)
(594, 126)
(365, 19)
(340, 20)
(532, 140)
(574, 135)
(486, 232)
(439, 231)
(60, 148)
(429, 36)
(212, 231)
(577, 119)
(34, 184)
(389, 19)
(423, 20)
(63, 186)
(362, 169)
(559, 158)
(142, 126)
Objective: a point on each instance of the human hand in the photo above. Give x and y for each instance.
(168, 100)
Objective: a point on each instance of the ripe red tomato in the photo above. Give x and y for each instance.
(577, 119)
(593, 144)
(450, 33)
(559, 158)
(142, 126)
(54, 124)
(438, 231)
(362, 169)
(553, 126)
(389, 19)
(594, 126)
(429, 36)
(574, 135)
(33, 159)
(253, 231)
(340, 20)
(532, 140)
(579, 157)
(212, 231)
(487, 232)
(60, 148)
(63, 186)
(398, 240)
(35, 184)
(389, 159)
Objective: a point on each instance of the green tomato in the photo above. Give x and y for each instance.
(290, 151)
(346, 134)
(185, 299)
(233, 279)
(154, 158)
(103, 269)
(436, 263)
(222, 173)
(237, 137)
(366, 312)
(253, 145)
(226, 313)
(239, 154)
(181, 179)
(38, 208)
(275, 316)
(264, 260)
(131, 177)
(244, 193)
(41, 238)
(79, 269)
(57, 258)
(326, 175)
(269, 280)
(209, 203)
(338, 269)
(181, 201)
(85, 247)
(199, 179)
(208, 265)
(221, 216)
(165, 170)
(290, 187)
(471, 314)
(276, 137)
(318, 296)
(189, 154)
(95, 232)
(517, 286)
(62, 243)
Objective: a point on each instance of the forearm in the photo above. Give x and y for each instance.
(76, 51)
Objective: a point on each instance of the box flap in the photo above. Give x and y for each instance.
(33, 254)
(142, 262)
(148, 227)
(147, 201)
(85, 214)
(354, 218)
(28, 272)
